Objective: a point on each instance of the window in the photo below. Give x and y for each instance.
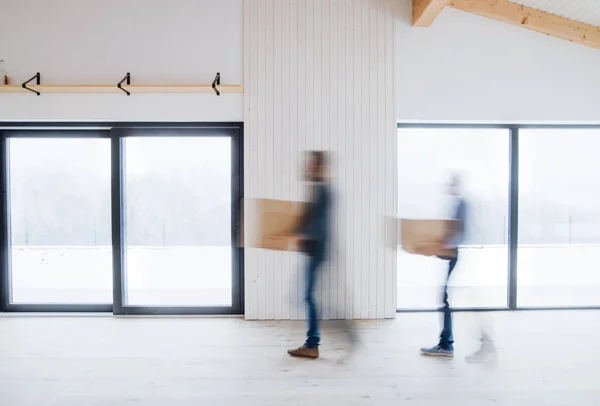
(130, 220)
(59, 198)
(559, 217)
(178, 222)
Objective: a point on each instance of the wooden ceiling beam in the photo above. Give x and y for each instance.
(425, 11)
(532, 19)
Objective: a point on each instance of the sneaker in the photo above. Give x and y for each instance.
(486, 354)
(438, 351)
(305, 352)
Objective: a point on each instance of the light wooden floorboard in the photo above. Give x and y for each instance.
(545, 358)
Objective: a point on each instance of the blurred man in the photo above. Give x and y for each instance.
(454, 238)
(312, 235)
(445, 348)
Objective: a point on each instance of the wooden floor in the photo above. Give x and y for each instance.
(545, 358)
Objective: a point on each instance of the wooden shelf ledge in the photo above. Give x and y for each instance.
(112, 88)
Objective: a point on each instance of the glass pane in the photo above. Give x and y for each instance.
(178, 200)
(559, 218)
(60, 220)
(427, 160)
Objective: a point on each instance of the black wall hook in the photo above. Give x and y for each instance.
(216, 82)
(37, 77)
(127, 78)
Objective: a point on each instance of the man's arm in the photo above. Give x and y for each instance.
(308, 226)
(457, 226)
(302, 225)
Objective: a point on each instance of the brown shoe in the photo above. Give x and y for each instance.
(305, 352)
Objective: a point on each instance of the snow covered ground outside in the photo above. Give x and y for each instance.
(567, 275)
(162, 276)
(557, 275)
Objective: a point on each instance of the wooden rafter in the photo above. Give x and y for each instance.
(532, 19)
(425, 11)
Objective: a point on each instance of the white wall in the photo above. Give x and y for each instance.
(319, 74)
(469, 68)
(95, 41)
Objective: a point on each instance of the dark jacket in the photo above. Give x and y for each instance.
(315, 225)
(460, 214)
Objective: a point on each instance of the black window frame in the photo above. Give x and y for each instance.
(117, 132)
(513, 208)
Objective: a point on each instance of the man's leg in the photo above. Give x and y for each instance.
(312, 335)
(310, 349)
(446, 337)
(445, 348)
(487, 351)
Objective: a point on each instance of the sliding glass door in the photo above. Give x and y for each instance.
(59, 224)
(533, 223)
(559, 217)
(130, 220)
(178, 219)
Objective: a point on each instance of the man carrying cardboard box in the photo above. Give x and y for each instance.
(446, 248)
(454, 236)
(312, 235)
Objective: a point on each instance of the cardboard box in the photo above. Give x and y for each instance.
(269, 220)
(426, 237)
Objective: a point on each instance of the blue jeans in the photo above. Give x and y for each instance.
(446, 338)
(312, 335)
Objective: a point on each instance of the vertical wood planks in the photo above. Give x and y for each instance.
(293, 143)
(339, 73)
(330, 129)
(287, 139)
(391, 160)
(381, 157)
(250, 151)
(261, 142)
(319, 74)
(357, 152)
(278, 139)
(349, 153)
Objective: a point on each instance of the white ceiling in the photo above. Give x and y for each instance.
(587, 11)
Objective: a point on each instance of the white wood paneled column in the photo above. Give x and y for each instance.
(319, 74)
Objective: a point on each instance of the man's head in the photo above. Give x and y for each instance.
(454, 185)
(316, 165)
